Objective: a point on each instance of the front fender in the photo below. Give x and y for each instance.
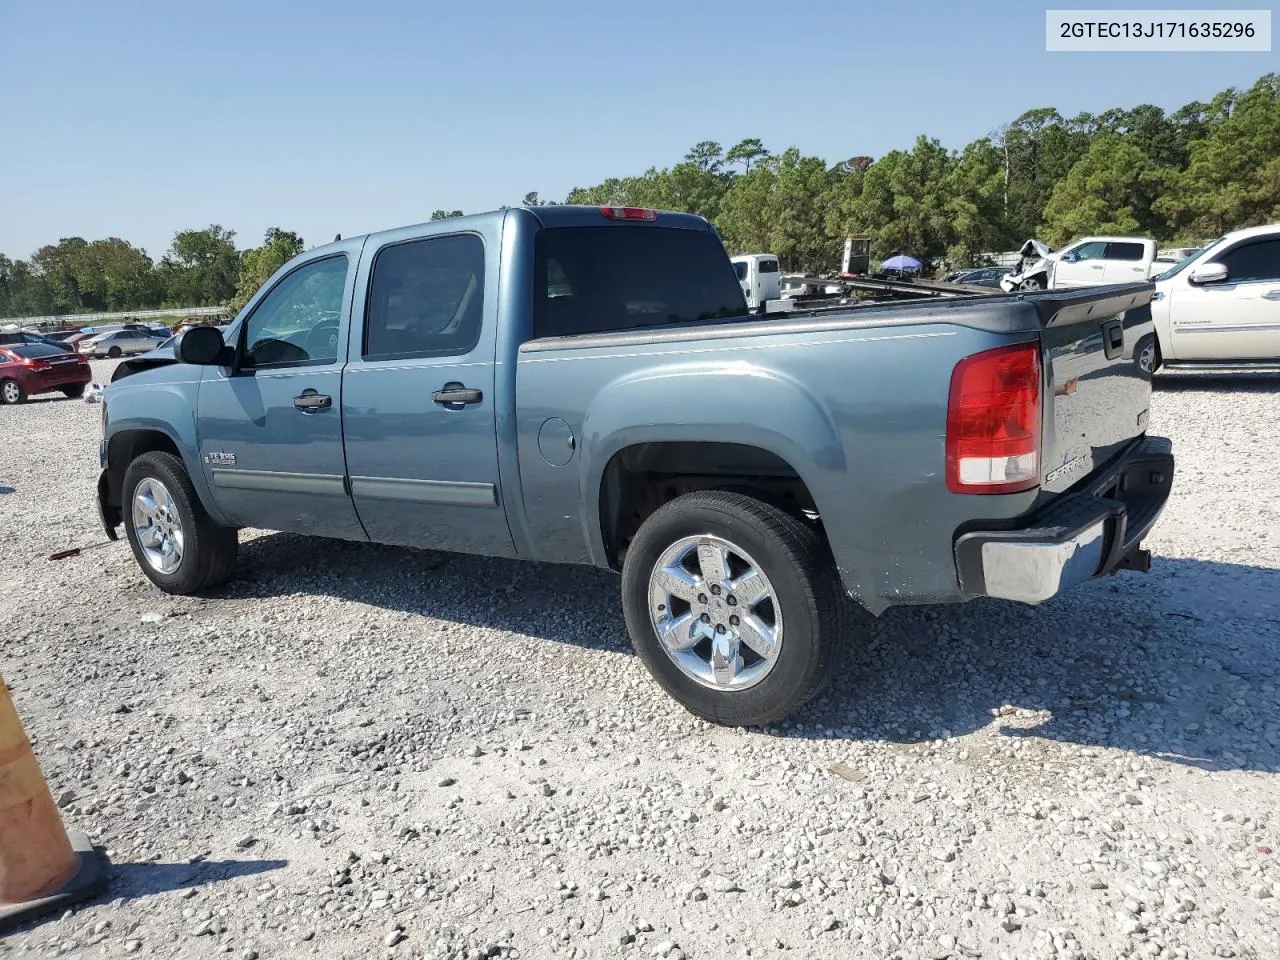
(736, 402)
(164, 406)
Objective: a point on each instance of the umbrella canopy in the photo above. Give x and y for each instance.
(901, 262)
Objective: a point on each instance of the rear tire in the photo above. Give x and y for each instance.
(206, 551)
(74, 392)
(11, 392)
(115, 353)
(713, 672)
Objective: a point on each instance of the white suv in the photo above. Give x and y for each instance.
(1220, 306)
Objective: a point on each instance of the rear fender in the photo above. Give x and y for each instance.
(724, 403)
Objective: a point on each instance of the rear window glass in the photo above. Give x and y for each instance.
(601, 279)
(1124, 251)
(768, 266)
(36, 350)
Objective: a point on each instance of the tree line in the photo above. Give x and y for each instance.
(1180, 177)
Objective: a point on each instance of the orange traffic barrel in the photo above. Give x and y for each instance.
(42, 867)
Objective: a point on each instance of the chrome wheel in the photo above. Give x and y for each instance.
(12, 392)
(715, 613)
(1147, 358)
(157, 525)
(1031, 283)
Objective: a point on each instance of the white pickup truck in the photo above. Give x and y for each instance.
(1089, 262)
(1219, 309)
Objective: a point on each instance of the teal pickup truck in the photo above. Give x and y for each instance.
(585, 385)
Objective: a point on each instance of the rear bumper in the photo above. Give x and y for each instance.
(1089, 533)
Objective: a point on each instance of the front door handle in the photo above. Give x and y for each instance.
(310, 400)
(455, 393)
(1271, 295)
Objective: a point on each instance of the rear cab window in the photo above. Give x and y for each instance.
(613, 278)
(768, 266)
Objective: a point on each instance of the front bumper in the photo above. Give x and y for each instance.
(1090, 533)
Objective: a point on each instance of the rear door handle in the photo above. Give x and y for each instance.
(454, 393)
(310, 400)
(1271, 295)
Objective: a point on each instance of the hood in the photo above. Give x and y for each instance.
(1034, 248)
(159, 357)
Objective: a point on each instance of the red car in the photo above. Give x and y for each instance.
(38, 368)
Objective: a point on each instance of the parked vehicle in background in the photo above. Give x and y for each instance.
(30, 368)
(1172, 257)
(979, 276)
(1220, 309)
(1090, 262)
(26, 336)
(759, 277)
(586, 385)
(119, 343)
(62, 336)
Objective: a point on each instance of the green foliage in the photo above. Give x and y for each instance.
(1196, 172)
(257, 264)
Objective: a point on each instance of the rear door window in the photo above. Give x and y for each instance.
(609, 278)
(426, 298)
(1125, 251)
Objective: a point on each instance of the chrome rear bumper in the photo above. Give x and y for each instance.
(1090, 533)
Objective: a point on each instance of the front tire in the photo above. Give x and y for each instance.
(1147, 356)
(734, 606)
(11, 392)
(174, 541)
(1033, 283)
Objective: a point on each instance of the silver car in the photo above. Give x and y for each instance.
(119, 343)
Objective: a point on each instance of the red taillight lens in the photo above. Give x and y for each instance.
(993, 421)
(629, 213)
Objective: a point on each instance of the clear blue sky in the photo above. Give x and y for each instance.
(137, 119)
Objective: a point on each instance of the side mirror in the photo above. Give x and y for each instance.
(201, 346)
(1208, 273)
(1069, 258)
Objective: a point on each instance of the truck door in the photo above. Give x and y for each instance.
(1127, 261)
(746, 279)
(418, 393)
(1237, 319)
(269, 429)
(1081, 266)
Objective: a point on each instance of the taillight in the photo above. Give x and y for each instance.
(629, 213)
(993, 421)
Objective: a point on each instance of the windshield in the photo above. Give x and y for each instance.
(1185, 262)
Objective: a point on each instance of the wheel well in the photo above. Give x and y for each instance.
(641, 478)
(124, 448)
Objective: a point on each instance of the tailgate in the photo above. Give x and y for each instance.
(1097, 399)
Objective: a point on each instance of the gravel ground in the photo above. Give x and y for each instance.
(356, 751)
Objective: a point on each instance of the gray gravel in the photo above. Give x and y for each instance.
(356, 751)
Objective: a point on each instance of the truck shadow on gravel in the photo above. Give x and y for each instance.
(132, 881)
(1182, 664)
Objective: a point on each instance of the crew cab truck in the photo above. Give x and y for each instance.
(585, 385)
(1089, 262)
